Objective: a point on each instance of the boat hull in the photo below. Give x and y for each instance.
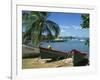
(54, 54)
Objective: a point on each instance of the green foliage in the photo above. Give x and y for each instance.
(38, 26)
(87, 42)
(85, 21)
(85, 24)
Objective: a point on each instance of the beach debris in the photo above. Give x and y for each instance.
(68, 60)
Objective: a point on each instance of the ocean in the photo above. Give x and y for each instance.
(68, 45)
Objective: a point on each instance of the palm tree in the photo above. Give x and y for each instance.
(38, 26)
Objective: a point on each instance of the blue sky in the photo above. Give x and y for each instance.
(69, 24)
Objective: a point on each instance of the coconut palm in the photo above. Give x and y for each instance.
(39, 26)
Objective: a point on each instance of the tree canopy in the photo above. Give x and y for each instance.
(85, 21)
(85, 24)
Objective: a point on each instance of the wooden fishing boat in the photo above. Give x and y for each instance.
(52, 53)
(28, 51)
(79, 58)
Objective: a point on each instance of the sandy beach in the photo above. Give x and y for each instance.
(45, 63)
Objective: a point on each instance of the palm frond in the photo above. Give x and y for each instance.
(53, 27)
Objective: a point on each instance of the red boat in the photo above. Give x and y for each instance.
(79, 58)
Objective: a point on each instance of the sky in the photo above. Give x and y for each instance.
(69, 24)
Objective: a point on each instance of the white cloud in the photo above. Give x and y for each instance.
(64, 27)
(63, 30)
(72, 27)
(76, 27)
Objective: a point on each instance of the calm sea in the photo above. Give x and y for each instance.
(68, 45)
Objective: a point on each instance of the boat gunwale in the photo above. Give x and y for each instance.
(53, 50)
(61, 52)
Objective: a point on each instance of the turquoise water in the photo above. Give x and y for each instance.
(68, 45)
